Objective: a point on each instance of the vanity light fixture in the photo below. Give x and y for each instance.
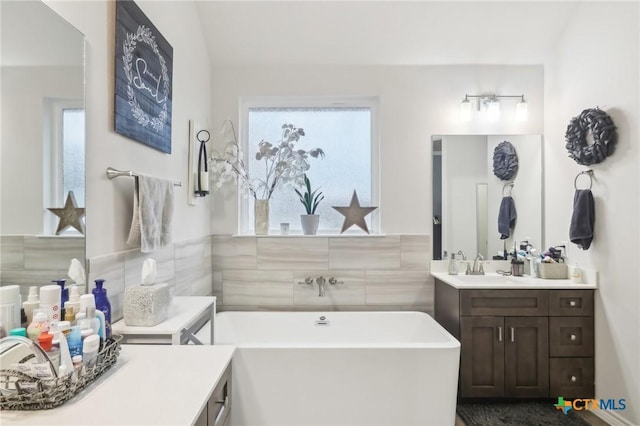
(490, 104)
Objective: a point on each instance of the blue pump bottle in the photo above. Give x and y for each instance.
(103, 304)
(64, 291)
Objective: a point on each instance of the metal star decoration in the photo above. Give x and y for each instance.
(354, 214)
(70, 215)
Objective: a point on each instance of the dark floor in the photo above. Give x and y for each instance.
(587, 416)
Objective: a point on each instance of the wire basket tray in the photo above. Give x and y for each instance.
(51, 393)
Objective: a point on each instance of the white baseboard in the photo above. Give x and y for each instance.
(611, 417)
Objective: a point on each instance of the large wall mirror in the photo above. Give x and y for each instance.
(42, 142)
(467, 195)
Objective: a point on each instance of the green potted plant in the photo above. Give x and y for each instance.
(310, 200)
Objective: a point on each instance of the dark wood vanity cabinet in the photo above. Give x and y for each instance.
(520, 343)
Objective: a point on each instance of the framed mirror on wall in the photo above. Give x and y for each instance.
(42, 143)
(467, 195)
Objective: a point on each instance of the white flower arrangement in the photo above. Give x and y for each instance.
(284, 163)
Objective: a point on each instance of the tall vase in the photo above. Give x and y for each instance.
(261, 217)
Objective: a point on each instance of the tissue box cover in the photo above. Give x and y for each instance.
(146, 306)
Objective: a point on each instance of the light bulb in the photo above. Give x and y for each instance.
(465, 110)
(493, 111)
(521, 110)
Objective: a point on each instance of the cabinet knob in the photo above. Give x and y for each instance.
(573, 337)
(574, 379)
(572, 303)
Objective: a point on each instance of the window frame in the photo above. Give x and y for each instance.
(53, 194)
(371, 102)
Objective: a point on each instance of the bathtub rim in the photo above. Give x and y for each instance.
(450, 343)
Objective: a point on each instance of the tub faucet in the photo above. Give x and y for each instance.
(478, 269)
(321, 286)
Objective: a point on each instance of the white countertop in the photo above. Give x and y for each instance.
(496, 281)
(493, 280)
(148, 385)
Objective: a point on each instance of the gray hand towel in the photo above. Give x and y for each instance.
(152, 214)
(582, 219)
(506, 217)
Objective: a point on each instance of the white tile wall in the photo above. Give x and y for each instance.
(292, 253)
(253, 287)
(379, 272)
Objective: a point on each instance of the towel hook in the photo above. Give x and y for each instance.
(507, 185)
(585, 172)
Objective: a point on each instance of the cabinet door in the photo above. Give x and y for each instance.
(527, 357)
(482, 357)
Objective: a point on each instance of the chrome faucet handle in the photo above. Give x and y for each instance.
(307, 281)
(334, 281)
(468, 272)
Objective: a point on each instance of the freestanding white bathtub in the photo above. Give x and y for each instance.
(340, 368)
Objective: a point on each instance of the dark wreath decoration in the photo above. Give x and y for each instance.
(603, 132)
(505, 161)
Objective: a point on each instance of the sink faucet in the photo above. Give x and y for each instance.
(461, 253)
(321, 285)
(477, 266)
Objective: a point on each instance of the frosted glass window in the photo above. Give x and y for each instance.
(345, 136)
(73, 153)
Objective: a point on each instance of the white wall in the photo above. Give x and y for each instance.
(463, 167)
(596, 64)
(109, 202)
(23, 112)
(415, 103)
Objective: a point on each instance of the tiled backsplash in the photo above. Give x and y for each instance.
(378, 272)
(249, 273)
(28, 260)
(185, 266)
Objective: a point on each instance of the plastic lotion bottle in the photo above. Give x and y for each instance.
(39, 325)
(74, 299)
(50, 296)
(75, 342)
(103, 304)
(45, 341)
(90, 350)
(31, 303)
(92, 322)
(66, 364)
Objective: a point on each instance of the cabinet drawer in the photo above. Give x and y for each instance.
(571, 378)
(571, 303)
(571, 336)
(517, 303)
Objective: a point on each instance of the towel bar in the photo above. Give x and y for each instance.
(114, 173)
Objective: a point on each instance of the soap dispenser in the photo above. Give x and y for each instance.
(103, 304)
(453, 265)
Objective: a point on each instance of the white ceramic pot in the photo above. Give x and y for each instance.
(309, 223)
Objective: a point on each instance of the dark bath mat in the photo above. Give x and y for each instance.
(516, 413)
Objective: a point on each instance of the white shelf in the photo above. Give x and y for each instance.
(187, 315)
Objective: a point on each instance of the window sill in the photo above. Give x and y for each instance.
(322, 235)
